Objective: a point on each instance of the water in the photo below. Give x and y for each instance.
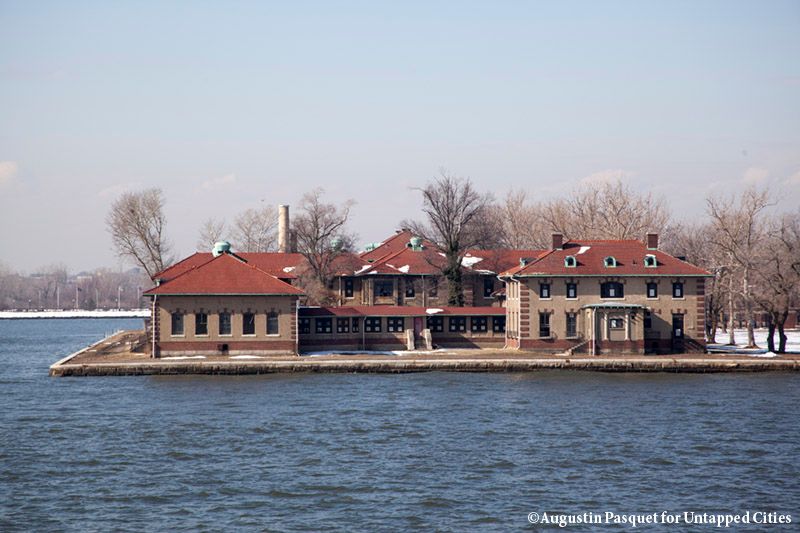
(350, 452)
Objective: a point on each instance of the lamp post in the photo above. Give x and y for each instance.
(119, 292)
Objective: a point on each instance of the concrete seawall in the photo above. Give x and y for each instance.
(342, 364)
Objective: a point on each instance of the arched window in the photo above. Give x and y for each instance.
(612, 289)
(610, 261)
(570, 261)
(650, 261)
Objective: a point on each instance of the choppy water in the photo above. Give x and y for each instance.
(436, 451)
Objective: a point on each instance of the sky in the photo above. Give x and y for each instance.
(231, 105)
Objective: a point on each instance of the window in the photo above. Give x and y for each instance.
(499, 324)
(177, 323)
(248, 324)
(650, 261)
(652, 290)
(610, 262)
(648, 320)
(410, 292)
(572, 325)
(677, 290)
(457, 323)
(544, 290)
(348, 287)
(342, 325)
(435, 324)
(225, 323)
(200, 324)
(616, 323)
(354, 329)
(384, 289)
(323, 325)
(433, 292)
(372, 324)
(305, 325)
(488, 287)
(479, 324)
(544, 325)
(395, 324)
(570, 261)
(612, 289)
(572, 290)
(273, 326)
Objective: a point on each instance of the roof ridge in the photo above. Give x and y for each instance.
(157, 274)
(192, 269)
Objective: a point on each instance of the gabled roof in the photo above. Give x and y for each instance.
(425, 262)
(225, 274)
(396, 242)
(499, 260)
(590, 256)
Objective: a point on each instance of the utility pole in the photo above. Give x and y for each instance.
(119, 291)
(58, 297)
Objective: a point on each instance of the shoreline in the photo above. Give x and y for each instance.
(112, 356)
(72, 313)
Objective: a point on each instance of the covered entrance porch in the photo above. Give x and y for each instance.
(614, 327)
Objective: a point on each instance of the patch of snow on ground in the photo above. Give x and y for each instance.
(246, 357)
(78, 313)
(740, 336)
(440, 351)
(176, 357)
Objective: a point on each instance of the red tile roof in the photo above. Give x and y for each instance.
(396, 242)
(500, 260)
(399, 310)
(590, 255)
(225, 274)
(425, 262)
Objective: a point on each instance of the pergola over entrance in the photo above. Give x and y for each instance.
(600, 316)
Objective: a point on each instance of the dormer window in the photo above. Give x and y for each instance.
(570, 261)
(610, 262)
(650, 261)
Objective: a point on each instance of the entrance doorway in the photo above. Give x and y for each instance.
(677, 333)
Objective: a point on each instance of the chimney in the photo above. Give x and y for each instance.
(283, 228)
(652, 241)
(558, 241)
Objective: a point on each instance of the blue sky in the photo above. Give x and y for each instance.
(229, 104)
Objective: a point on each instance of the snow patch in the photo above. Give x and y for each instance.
(177, 357)
(376, 352)
(77, 313)
(288, 269)
(434, 310)
(583, 250)
(246, 357)
(470, 260)
(362, 269)
(404, 269)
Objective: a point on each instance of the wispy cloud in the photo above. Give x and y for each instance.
(218, 183)
(606, 176)
(8, 169)
(755, 176)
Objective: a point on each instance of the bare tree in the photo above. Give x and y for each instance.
(777, 289)
(737, 230)
(607, 210)
(211, 232)
(458, 218)
(136, 222)
(256, 230)
(520, 222)
(322, 236)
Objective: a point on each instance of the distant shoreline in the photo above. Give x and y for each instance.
(75, 313)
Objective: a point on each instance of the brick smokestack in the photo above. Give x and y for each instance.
(283, 229)
(558, 241)
(652, 241)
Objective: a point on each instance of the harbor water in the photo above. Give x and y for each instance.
(359, 452)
